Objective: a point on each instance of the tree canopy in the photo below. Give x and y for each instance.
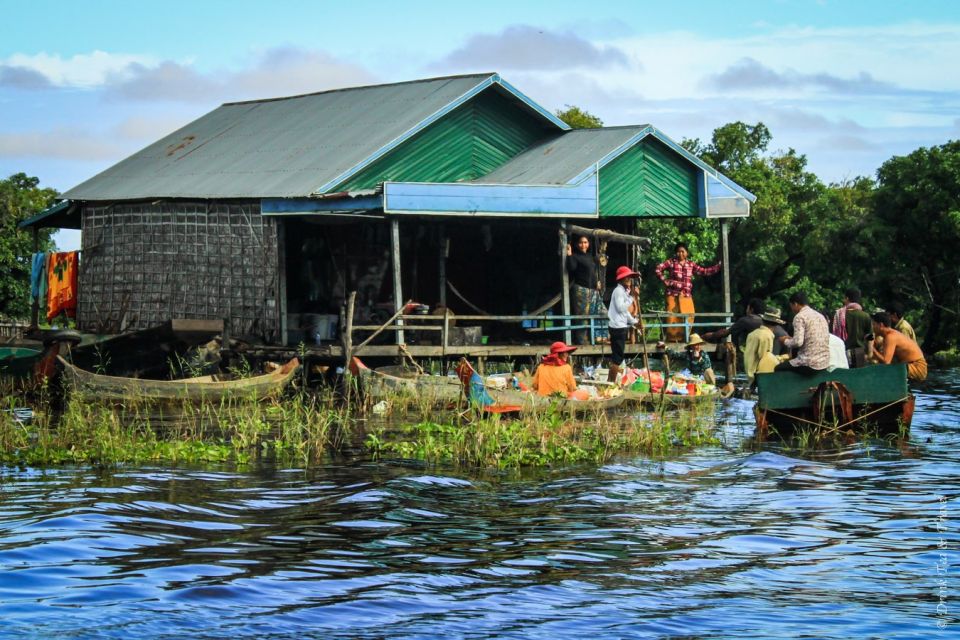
(20, 198)
(578, 118)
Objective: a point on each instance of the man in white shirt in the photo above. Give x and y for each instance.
(620, 318)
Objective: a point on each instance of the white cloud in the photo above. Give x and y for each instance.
(274, 72)
(82, 70)
(527, 47)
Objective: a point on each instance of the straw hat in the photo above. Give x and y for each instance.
(772, 315)
(626, 272)
(695, 339)
(561, 347)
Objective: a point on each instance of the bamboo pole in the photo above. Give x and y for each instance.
(382, 327)
(565, 279)
(397, 282)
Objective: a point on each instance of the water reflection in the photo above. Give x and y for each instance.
(721, 542)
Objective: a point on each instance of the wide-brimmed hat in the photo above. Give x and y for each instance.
(561, 347)
(626, 272)
(695, 339)
(772, 315)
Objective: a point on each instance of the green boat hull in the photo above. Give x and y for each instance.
(844, 399)
(18, 362)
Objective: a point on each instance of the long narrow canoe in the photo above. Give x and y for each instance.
(840, 400)
(531, 401)
(190, 389)
(385, 383)
(672, 400)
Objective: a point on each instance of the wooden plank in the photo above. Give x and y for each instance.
(182, 326)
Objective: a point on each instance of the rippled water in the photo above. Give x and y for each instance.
(723, 542)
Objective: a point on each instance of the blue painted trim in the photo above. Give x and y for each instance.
(492, 199)
(530, 103)
(298, 206)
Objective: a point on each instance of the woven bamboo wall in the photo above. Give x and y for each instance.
(143, 264)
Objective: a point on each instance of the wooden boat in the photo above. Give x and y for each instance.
(104, 387)
(386, 383)
(836, 401)
(514, 400)
(672, 400)
(531, 401)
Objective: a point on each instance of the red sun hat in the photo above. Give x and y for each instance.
(561, 347)
(626, 272)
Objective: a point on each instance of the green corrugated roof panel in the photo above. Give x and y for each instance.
(649, 180)
(290, 147)
(562, 157)
(467, 143)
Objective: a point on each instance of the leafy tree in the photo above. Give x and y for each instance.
(578, 118)
(917, 206)
(20, 198)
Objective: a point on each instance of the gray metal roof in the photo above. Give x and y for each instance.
(560, 159)
(286, 147)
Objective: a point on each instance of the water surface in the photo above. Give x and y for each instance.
(724, 542)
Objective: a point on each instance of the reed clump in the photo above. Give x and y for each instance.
(542, 438)
(294, 429)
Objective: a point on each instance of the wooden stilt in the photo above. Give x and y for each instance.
(725, 256)
(565, 279)
(397, 283)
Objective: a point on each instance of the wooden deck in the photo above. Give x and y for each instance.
(334, 352)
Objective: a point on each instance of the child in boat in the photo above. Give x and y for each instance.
(555, 375)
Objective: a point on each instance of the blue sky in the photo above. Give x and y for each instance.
(849, 84)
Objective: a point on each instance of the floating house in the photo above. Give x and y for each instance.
(456, 192)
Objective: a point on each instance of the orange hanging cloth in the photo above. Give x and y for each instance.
(62, 272)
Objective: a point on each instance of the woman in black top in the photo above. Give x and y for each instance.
(585, 288)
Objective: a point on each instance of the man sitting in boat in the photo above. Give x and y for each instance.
(897, 348)
(760, 353)
(555, 375)
(810, 338)
(695, 359)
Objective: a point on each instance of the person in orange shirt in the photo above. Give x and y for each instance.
(555, 375)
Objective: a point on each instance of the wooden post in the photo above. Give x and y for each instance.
(346, 329)
(397, 285)
(346, 339)
(444, 249)
(725, 256)
(565, 280)
(282, 282)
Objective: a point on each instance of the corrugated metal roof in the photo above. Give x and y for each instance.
(286, 147)
(561, 158)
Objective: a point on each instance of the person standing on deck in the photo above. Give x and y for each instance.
(810, 337)
(585, 287)
(621, 320)
(897, 347)
(677, 274)
(851, 322)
